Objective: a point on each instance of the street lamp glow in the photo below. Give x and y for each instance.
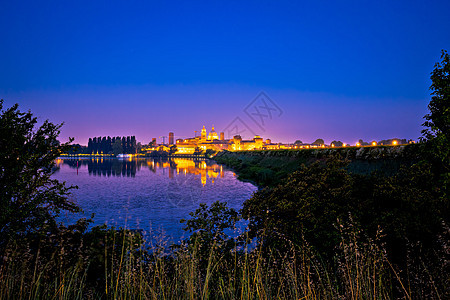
(374, 143)
(394, 142)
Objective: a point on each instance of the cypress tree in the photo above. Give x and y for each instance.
(133, 145)
(104, 147)
(124, 144)
(89, 149)
(128, 145)
(94, 146)
(108, 145)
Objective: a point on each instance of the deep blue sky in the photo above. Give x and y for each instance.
(337, 69)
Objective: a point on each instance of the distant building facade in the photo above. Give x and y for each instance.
(212, 141)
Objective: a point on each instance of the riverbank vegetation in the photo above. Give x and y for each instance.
(317, 229)
(269, 167)
(72, 263)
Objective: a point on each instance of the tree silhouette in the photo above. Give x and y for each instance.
(319, 142)
(133, 146)
(117, 147)
(103, 146)
(437, 135)
(90, 145)
(30, 199)
(108, 145)
(124, 145)
(197, 151)
(438, 120)
(337, 143)
(173, 149)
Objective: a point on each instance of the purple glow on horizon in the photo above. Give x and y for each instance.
(148, 112)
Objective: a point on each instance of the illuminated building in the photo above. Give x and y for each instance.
(165, 148)
(237, 139)
(212, 134)
(237, 143)
(258, 142)
(211, 141)
(171, 138)
(203, 134)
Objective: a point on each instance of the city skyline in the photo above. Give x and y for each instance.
(337, 71)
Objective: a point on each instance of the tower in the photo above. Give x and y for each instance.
(222, 136)
(171, 138)
(237, 139)
(203, 134)
(258, 142)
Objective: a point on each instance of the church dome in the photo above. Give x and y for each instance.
(213, 135)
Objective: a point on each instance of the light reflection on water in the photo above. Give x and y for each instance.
(148, 194)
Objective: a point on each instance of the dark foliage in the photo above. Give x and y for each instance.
(438, 120)
(209, 229)
(437, 134)
(172, 149)
(30, 199)
(319, 142)
(108, 145)
(207, 226)
(309, 201)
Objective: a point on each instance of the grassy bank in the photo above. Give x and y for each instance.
(117, 266)
(269, 167)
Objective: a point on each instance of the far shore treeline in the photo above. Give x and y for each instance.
(107, 145)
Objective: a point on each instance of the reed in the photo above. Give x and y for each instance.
(132, 271)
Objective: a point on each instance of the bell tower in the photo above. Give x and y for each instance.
(203, 134)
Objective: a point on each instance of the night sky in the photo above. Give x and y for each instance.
(340, 70)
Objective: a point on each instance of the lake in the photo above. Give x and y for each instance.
(149, 194)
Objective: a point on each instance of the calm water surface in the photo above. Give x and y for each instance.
(148, 194)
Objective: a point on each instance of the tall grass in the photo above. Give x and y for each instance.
(123, 269)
